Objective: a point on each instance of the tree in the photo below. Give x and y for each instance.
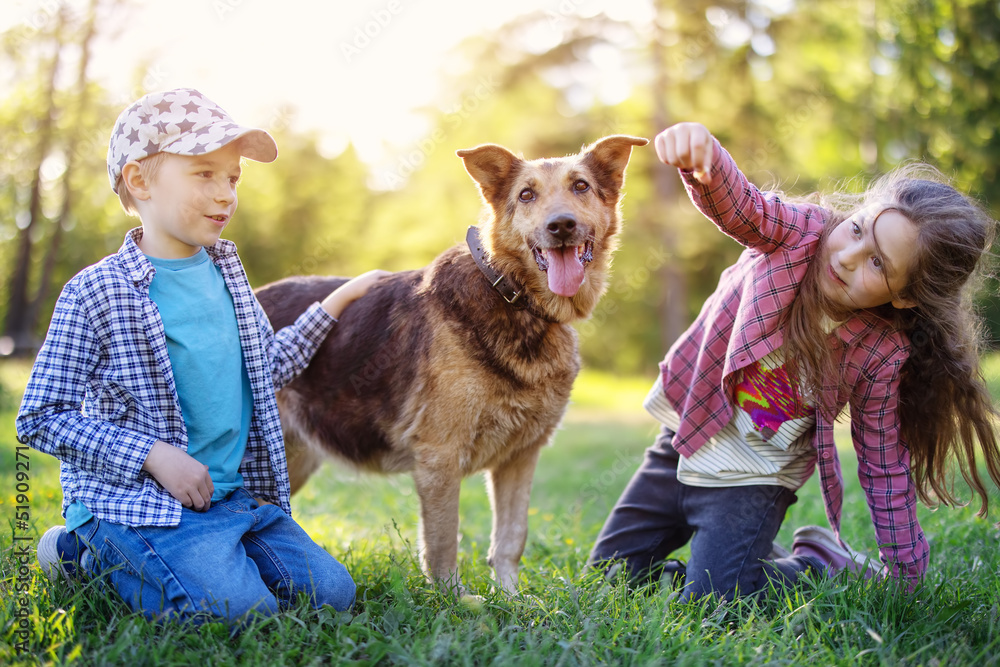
(18, 327)
(944, 99)
(54, 158)
(806, 96)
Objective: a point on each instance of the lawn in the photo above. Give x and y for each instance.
(565, 615)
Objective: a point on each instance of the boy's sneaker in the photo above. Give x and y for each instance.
(59, 553)
(822, 544)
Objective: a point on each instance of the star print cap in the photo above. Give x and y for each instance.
(182, 122)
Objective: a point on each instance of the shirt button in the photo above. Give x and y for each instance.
(827, 455)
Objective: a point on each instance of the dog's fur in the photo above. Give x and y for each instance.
(432, 371)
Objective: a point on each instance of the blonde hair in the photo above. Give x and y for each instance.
(148, 166)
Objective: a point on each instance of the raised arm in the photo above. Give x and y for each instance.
(716, 186)
(293, 347)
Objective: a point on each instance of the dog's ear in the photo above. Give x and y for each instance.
(608, 157)
(492, 167)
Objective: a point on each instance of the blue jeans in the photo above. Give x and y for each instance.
(235, 557)
(731, 529)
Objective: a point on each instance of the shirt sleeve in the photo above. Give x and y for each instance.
(51, 417)
(293, 347)
(884, 472)
(756, 219)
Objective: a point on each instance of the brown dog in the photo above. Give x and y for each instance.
(467, 364)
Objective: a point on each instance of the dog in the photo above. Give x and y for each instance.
(465, 365)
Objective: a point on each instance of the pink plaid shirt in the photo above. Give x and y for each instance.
(739, 324)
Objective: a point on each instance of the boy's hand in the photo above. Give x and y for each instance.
(185, 478)
(351, 290)
(687, 146)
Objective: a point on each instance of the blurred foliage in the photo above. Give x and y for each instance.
(805, 96)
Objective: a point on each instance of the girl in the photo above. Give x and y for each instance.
(830, 304)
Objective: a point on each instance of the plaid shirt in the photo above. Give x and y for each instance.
(102, 389)
(739, 324)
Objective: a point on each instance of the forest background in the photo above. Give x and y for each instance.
(807, 96)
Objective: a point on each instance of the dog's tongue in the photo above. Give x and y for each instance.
(565, 271)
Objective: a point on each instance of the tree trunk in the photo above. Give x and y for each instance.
(673, 304)
(72, 148)
(17, 327)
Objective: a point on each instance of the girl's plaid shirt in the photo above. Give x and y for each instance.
(740, 323)
(102, 390)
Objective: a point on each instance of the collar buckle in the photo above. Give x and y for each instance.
(504, 286)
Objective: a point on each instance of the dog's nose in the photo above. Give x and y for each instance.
(561, 226)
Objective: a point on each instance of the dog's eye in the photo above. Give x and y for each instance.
(526, 195)
(581, 186)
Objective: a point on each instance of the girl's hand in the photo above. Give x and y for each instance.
(687, 146)
(181, 475)
(353, 289)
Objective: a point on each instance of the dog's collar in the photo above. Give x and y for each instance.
(501, 283)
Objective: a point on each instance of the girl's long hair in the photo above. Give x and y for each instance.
(944, 404)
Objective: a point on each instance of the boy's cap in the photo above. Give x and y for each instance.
(181, 122)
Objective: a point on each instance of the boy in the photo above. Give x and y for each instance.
(155, 388)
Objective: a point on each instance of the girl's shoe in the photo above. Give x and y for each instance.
(778, 551)
(822, 544)
(60, 553)
(674, 573)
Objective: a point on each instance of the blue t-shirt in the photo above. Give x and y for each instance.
(209, 372)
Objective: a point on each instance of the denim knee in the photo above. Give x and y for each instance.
(236, 607)
(333, 586)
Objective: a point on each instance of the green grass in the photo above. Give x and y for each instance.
(565, 615)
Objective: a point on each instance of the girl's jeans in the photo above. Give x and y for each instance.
(234, 557)
(731, 529)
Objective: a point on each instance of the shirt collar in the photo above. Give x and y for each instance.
(137, 267)
(859, 324)
(140, 271)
